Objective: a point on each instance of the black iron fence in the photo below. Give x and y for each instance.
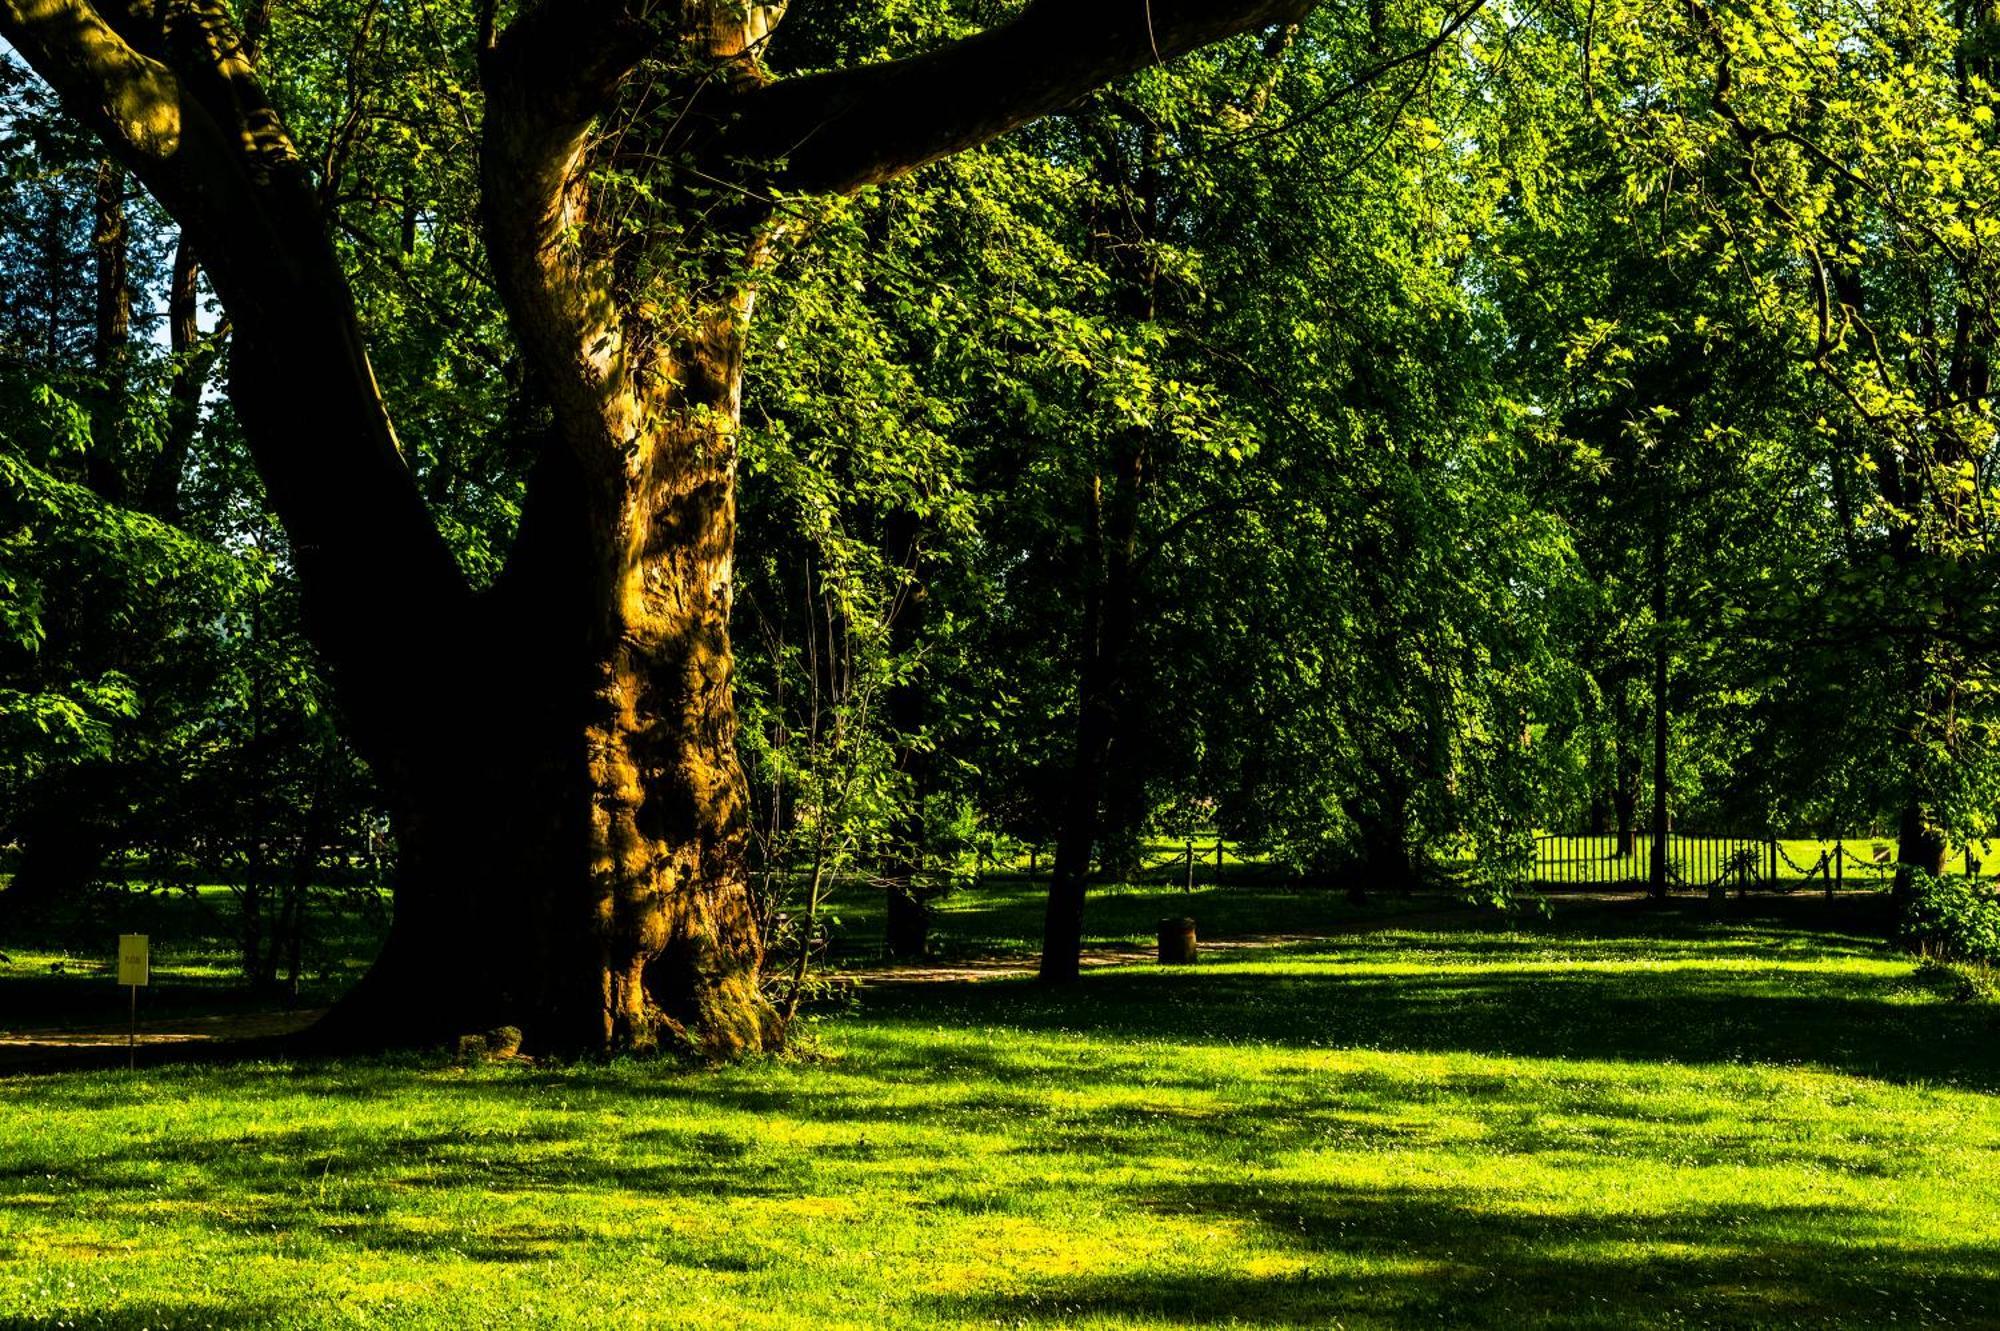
(1693, 861)
(1700, 861)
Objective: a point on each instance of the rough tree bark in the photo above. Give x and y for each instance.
(558, 750)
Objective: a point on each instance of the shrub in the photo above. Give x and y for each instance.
(1953, 918)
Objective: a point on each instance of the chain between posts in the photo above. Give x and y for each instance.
(1808, 870)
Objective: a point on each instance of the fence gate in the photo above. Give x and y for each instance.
(1694, 862)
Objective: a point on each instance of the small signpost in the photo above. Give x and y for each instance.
(135, 968)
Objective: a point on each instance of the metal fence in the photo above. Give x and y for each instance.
(1693, 861)
(1698, 861)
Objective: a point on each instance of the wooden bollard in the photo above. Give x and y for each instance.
(1177, 946)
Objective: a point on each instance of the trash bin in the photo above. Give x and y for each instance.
(1177, 946)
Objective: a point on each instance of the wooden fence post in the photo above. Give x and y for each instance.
(1839, 867)
(1190, 867)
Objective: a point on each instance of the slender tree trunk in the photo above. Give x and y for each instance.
(1597, 818)
(1386, 863)
(1110, 578)
(193, 361)
(1076, 837)
(64, 839)
(1625, 795)
(1920, 846)
(1602, 772)
(1110, 534)
(1661, 825)
(105, 461)
(260, 947)
(908, 919)
(1121, 845)
(298, 888)
(68, 830)
(908, 923)
(1920, 843)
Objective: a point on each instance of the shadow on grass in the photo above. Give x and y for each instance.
(1003, 915)
(1410, 1256)
(1491, 993)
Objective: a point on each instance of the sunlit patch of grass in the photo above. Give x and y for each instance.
(1610, 1121)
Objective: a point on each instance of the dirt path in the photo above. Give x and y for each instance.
(158, 1040)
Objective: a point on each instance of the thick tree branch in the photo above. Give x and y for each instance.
(133, 102)
(842, 130)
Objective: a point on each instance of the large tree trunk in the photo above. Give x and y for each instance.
(586, 863)
(583, 898)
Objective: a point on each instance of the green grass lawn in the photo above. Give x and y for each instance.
(1616, 1119)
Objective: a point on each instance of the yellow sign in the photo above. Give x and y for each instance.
(134, 966)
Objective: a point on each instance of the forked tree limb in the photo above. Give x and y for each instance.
(556, 73)
(841, 130)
